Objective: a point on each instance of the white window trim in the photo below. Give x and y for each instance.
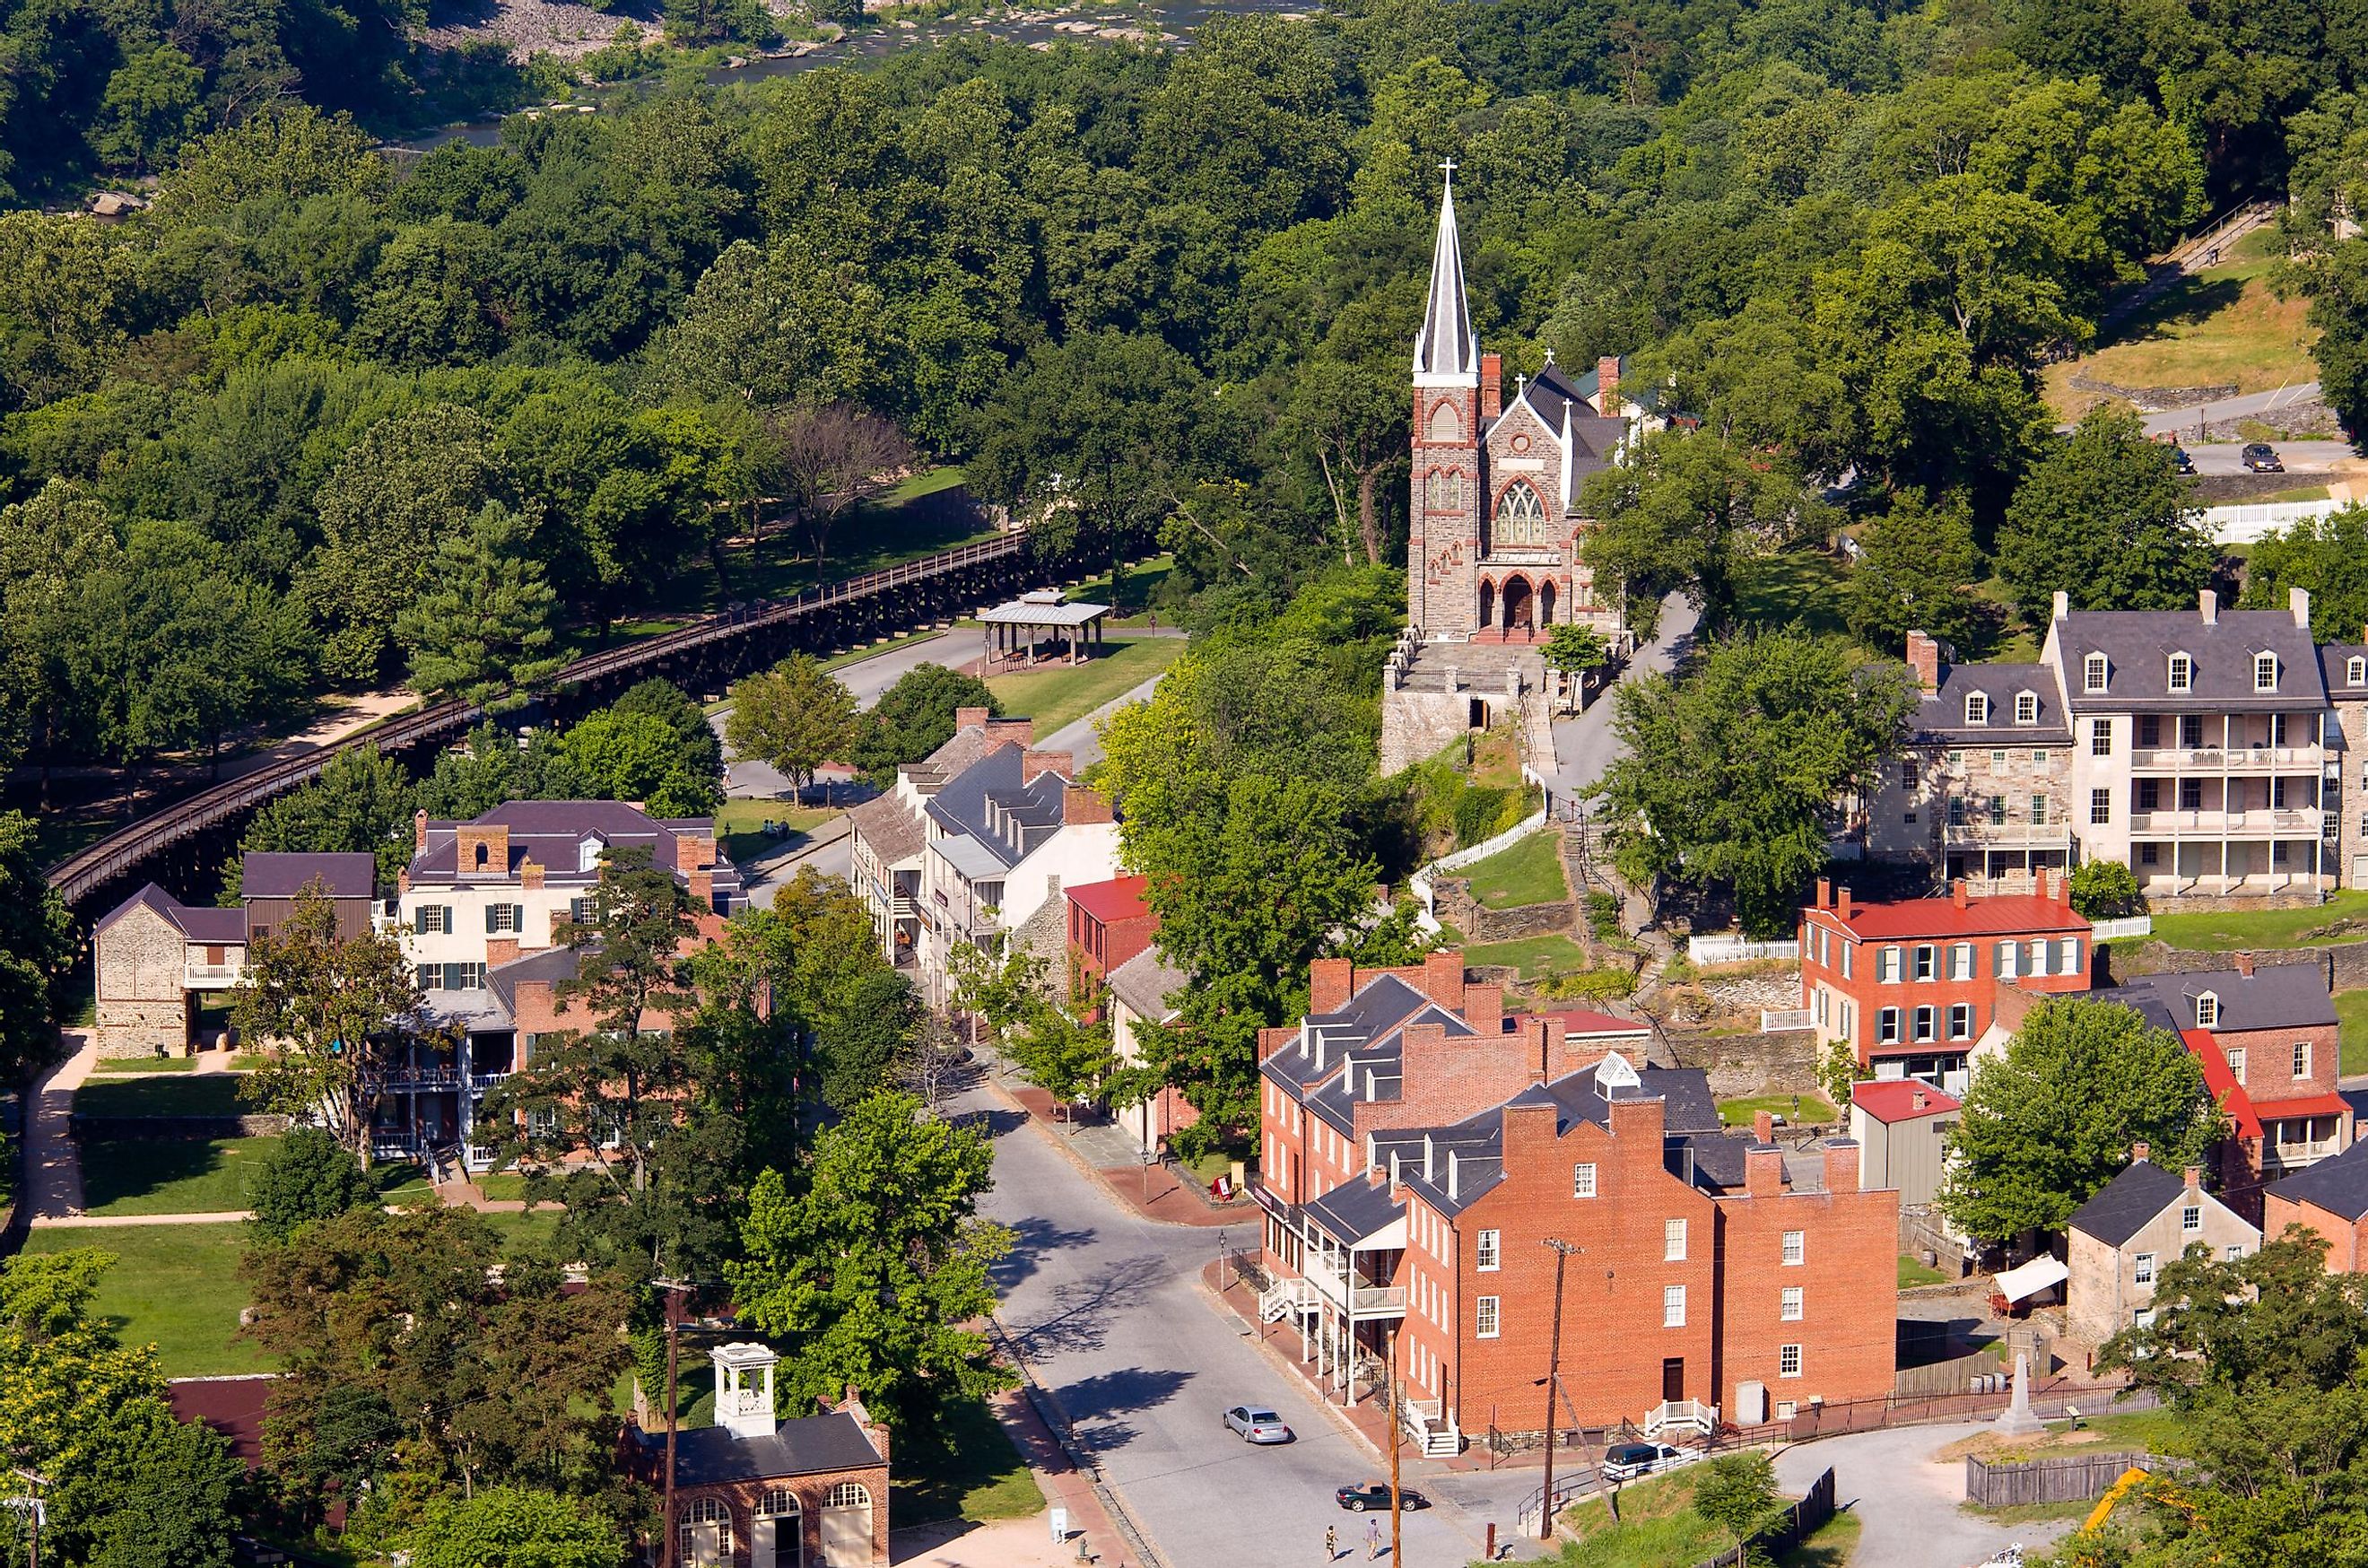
(1487, 1253)
(1673, 1306)
(1673, 1241)
(1488, 1318)
(1793, 1305)
(1788, 1353)
(1583, 1179)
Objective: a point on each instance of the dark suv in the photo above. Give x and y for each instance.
(2261, 458)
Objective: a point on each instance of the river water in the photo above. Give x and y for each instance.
(1172, 20)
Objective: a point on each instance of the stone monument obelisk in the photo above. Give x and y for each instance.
(2019, 1421)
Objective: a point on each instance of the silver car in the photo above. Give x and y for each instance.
(1256, 1424)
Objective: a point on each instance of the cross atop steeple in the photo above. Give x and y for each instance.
(1445, 352)
(1447, 168)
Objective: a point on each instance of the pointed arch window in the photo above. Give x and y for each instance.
(1445, 426)
(1521, 517)
(1442, 491)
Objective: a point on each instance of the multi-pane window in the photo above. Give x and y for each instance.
(1673, 1306)
(2301, 1059)
(2190, 1218)
(431, 977)
(2039, 811)
(1673, 1241)
(1521, 517)
(464, 977)
(503, 917)
(2092, 671)
(1997, 811)
(2100, 806)
(2265, 672)
(1961, 961)
(2183, 673)
(2237, 1062)
(1956, 811)
(2207, 1010)
(2151, 730)
(1927, 959)
(1484, 1251)
(1977, 707)
(2355, 671)
(2190, 731)
(1886, 1026)
(1788, 1361)
(1791, 1312)
(1796, 1247)
(2007, 952)
(2149, 794)
(2026, 707)
(1484, 1318)
(1887, 966)
(1961, 1021)
(432, 920)
(1924, 1023)
(2190, 794)
(1582, 1179)
(2100, 737)
(580, 911)
(2143, 1268)
(2236, 1251)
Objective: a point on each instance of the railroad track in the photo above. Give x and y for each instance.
(80, 874)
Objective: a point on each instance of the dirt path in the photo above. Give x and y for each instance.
(50, 1152)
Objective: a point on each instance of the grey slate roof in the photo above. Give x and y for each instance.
(196, 923)
(2137, 646)
(1942, 716)
(2338, 1184)
(2125, 1205)
(551, 964)
(2335, 670)
(1354, 1209)
(550, 832)
(263, 874)
(987, 802)
(810, 1445)
(1146, 981)
(2275, 996)
(891, 827)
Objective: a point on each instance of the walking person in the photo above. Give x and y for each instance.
(1331, 1544)
(1372, 1537)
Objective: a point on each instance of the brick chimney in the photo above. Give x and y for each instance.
(481, 849)
(702, 890)
(1917, 1099)
(1607, 385)
(1033, 765)
(1330, 984)
(1442, 978)
(1841, 1165)
(1492, 385)
(500, 949)
(419, 831)
(1960, 895)
(1080, 805)
(1924, 659)
(1483, 1008)
(2207, 604)
(1763, 1126)
(1825, 892)
(1843, 908)
(970, 719)
(1763, 1172)
(530, 874)
(1019, 732)
(2140, 1153)
(2245, 965)
(693, 851)
(2194, 1176)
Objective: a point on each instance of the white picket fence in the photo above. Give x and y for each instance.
(2244, 525)
(1735, 950)
(2120, 930)
(1427, 896)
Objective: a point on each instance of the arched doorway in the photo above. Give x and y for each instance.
(847, 1526)
(706, 1534)
(1487, 604)
(779, 1539)
(1519, 607)
(1546, 602)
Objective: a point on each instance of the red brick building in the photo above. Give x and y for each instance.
(1109, 924)
(1911, 983)
(1425, 1157)
(753, 1491)
(2330, 1199)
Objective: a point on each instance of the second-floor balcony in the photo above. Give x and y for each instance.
(1981, 833)
(2255, 822)
(2227, 759)
(2298, 1155)
(209, 976)
(1354, 1294)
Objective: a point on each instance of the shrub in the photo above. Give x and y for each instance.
(1603, 916)
(2106, 889)
(307, 1177)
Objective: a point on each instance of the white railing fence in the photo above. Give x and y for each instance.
(1737, 950)
(2244, 525)
(2121, 929)
(1423, 881)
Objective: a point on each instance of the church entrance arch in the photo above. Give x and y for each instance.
(1518, 608)
(1545, 603)
(1487, 604)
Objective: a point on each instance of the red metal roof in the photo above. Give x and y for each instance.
(2308, 1105)
(1890, 1100)
(1584, 1021)
(1112, 902)
(1906, 918)
(2226, 1093)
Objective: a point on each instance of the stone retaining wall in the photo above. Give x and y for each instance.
(1480, 924)
(2343, 965)
(1782, 1063)
(2154, 399)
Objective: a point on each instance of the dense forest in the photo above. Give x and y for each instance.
(327, 416)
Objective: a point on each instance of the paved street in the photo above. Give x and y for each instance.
(1106, 1308)
(1583, 745)
(1908, 1503)
(2300, 457)
(2256, 406)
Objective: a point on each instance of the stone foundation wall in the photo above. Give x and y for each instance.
(1785, 1061)
(1419, 724)
(2343, 965)
(127, 1027)
(1478, 923)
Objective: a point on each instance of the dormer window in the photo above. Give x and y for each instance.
(2093, 672)
(587, 852)
(2207, 1010)
(2183, 673)
(2265, 672)
(2355, 671)
(1977, 707)
(2026, 707)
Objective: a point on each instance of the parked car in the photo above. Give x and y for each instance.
(2261, 458)
(1256, 1424)
(1376, 1495)
(1627, 1462)
(2181, 460)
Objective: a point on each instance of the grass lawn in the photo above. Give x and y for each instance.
(1528, 872)
(1128, 601)
(1657, 1526)
(526, 1230)
(1797, 587)
(181, 1175)
(2299, 493)
(1061, 694)
(2221, 326)
(1912, 1272)
(127, 1064)
(965, 1468)
(2265, 927)
(2103, 1430)
(740, 827)
(2351, 1027)
(1829, 1547)
(1810, 1106)
(173, 1286)
(171, 1094)
(1535, 956)
(401, 1181)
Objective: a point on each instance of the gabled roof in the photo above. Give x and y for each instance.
(1942, 716)
(1938, 919)
(2338, 1183)
(893, 829)
(1894, 1100)
(2335, 669)
(2137, 646)
(2125, 1205)
(263, 874)
(1446, 346)
(551, 833)
(2274, 997)
(1118, 900)
(988, 803)
(1146, 981)
(196, 923)
(811, 1444)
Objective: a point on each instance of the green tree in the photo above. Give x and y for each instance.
(361, 803)
(306, 1177)
(700, 750)
(151, 107)
(1575, 649)
(1067, 1058)
(1737, 1493)
(833, 457)
(2336, 281)
(2329, 556)
(636, 757)
(482, 622)
(2106, 889)
(795, 716)
(1915, 571)
(2104, 517)
(509, 1527)
(914, 718)
(2053, 1119)
(1684, 517)
(53, 547)
(497, 767)
(36, 946)
(1730, 769)
(323, 1013)
(866, 1267)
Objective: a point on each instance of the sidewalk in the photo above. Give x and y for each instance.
(1109, 1154)
(1095, 1534)
(50, 1156)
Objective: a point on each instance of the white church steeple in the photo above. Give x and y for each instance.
(1445, 354)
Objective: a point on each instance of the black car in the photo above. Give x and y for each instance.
(2261, 458)
(1376, 1495)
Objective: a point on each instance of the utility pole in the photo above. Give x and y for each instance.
(673, 1336)
(1397, 1545)
(1562, 1252)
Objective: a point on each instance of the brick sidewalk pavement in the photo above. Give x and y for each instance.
(1111, 1156)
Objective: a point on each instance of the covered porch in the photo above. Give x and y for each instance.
(1037, 628)
(1334, 1262)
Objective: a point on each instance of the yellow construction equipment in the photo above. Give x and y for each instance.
(2114, 1494)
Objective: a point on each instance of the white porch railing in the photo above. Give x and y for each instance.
(1286, 1298)
(1774, 1020)
(1691, 1415)
(2121, 929)
(1431, 1427)
(1736, 950)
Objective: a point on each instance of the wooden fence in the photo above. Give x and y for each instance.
(1796, 1524)
(2072, 1480)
